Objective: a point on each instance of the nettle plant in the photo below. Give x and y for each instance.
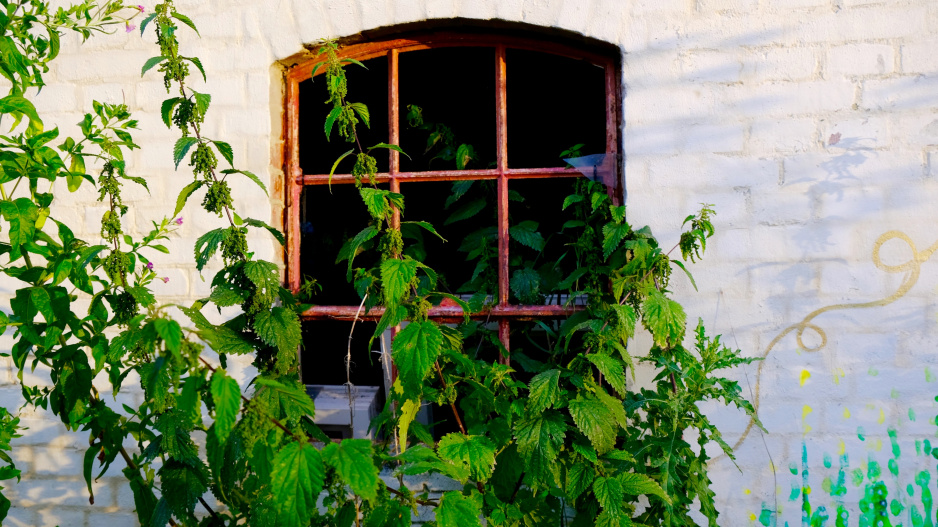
(561, 440)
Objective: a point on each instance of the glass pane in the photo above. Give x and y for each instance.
(454, 88)
(553, 103)
(327, 221)
(366, 86)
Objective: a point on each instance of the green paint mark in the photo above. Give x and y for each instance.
(916, 517)
(910, 489)
(894, 393)
(873, 470)
(918, 447)
(766, 516)
(827, 485)
(912, 414)
(929, 377)
(857, 477)
(895, 508)
(795, 492)
(842, 516)
(793, 468)
(873, 372)
(827, 461)
(893, 438)
(926, 448)
(922, 480)
(893, 467)
(861, 434)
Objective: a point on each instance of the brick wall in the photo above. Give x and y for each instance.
(812, 125)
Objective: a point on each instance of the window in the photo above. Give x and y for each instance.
(518, 101)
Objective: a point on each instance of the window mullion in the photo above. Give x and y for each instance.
(501, 122)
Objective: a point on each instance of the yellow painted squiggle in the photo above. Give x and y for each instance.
(913, 267)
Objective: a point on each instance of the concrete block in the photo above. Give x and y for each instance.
(574, 15)
(854, 60)
(57, 461)
(727, 5)
(61, 517)
(711, 66)
(539, 12)
(919, 57)
(770, 136)
(785, 99)
(441, 8)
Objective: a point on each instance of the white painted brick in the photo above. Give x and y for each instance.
(540, 12)
(786, 98)
(59, 461)
(574, 15)
(860, 59)
(711, 66)
(19, 516)
(782, 207)
(781, 136)
(855, 133)
(73, 492)
(483, 9)
(714, 171)
(509, 9)
(727, 5)
(903, 93)
(441, 8)
(919, 57)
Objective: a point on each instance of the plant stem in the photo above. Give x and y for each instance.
(452, 405)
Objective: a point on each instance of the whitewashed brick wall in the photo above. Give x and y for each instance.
(733, 102)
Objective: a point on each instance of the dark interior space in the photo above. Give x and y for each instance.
(368, 86)
(553, 103)
(455, 87)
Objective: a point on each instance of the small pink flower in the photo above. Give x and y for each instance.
(149, 266)
(130, 27)
(141, 8)
(165, 279)
(178, 220)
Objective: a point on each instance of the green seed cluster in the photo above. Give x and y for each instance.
(235, 245)
(217, 197)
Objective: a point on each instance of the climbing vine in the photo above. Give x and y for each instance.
(560, 439)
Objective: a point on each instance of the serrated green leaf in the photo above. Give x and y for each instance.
(475, 452)
(152, 61)
(296, 480)
(612, 371)
(225, 150)
(414, 351)
(21, 213)
(408, 413)
(526, 234)
(376, 201)
(362, 112)
(539, 441)
(613, 234)
(580, 477)
(143, 24)
(249, 175)
(227, 397)
(396, 277)
(182, 147)
(389, 147)
(279, 327)
(170, 332)
(182, 485)
(330, 121)
(609, 494)
(426, 226)
(689, 276)
(544, 391)
(198, 64)
(595, 421)
(638, 484)
(526, 285)
(352, 460)
(184, 195)
(350, 249)
(207, 244)
(456, 510)
(185, 20)
(664, 318)
(571, 199)
(466, 211)
(389, 514)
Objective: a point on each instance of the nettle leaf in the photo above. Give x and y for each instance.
(362, 112)
(609, 494)
(595, 421)
(580, 477)
(262, 225)
(637, 484)
(414, 351)
(544, 391)
(526, 234)
(279, 327)
(612, 371)
(466, 211)
(352, 460)
(456, 510)
(389, 514)
(539, 441)
(296, 481)
(376, 201)
(408, 413)
(664, 318)
(150, 63)
(185, 20)
(184, 195)
(22, 214)
(265, 275)
(207, 244)
(19, 106)
(181, 147)
(170, 332)
(227, 396)
(397, 276)
(475, 452)
(166, 110)
(181, 486)
(526, 285)
(245, 173)
(226, 151)
(613, 234)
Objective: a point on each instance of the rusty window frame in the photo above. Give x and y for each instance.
(503, 312)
